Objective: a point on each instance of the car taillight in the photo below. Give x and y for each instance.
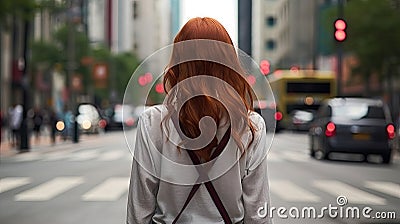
(278, 116)
(330, 129)
(102, 123)
(390, 131)
(130, 122)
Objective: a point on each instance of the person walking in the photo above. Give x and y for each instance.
(37, 119)
(200, 157)
(15, 120)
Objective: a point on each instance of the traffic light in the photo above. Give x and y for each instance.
(265, 67)
(340, 30)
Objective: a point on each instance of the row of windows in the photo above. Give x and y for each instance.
(270, 45)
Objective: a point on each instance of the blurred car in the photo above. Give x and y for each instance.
(270, 112)
(89, 119)
(121, 116)
(352, 125)
(301, 120)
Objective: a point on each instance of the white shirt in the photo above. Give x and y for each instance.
(155, 196)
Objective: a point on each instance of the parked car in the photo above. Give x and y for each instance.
(301, 119)
(90, 119)
(352, 125)
(121, 116)
(270, 112)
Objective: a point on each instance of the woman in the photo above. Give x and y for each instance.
(209, 85)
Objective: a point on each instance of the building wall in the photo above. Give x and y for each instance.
(152, 26)
(5, 72)
(97, 21)
(284, 31)
(121, 24)
(270, 37)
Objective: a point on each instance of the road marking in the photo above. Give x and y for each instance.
(27, 157)
(110, 190)
(384, 187)
(353, 194)
(57, 156)
(84, 155)
(111, 155)
(9, 183)
(291, 192)
(49, 189)
(295, 156)
(274, 157)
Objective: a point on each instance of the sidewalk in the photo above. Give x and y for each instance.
(44, 143)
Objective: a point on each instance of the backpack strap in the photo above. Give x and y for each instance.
(209, 186)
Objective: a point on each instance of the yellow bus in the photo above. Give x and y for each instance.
(301, 90)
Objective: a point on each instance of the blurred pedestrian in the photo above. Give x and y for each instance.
(37, 120)
(52, 125)
(2, 123)
(158, 191)
(15, 120)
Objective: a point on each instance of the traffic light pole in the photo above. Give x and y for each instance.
(340, 53)
(70, 72)
(24, 135)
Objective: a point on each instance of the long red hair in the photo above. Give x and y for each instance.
(199, 106)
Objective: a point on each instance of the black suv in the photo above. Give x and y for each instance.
(353, 125)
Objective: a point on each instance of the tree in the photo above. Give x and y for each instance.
(373, 36)
(22, 9)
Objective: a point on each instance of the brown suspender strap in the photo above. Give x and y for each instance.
(209, 186)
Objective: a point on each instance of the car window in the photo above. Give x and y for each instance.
(324, 111)
(358, 111)
(88, 110)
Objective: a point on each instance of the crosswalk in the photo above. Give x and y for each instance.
(115, 188)
(77, 155)
(106, 155)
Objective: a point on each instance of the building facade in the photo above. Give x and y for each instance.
(284, 32)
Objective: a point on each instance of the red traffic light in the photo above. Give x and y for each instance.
(265, 67)
(340, 24)
(340, 35)
(160, 88)
(340, 30)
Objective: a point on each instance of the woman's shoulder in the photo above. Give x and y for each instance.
(257, 120)
(152, 114)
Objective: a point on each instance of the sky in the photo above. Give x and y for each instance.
(225, 11)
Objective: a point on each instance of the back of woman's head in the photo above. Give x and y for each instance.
(203, 48)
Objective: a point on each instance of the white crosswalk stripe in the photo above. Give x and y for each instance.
(354, 195)
(49, 190)
(288, 191)
(296, 156)
(113, 189)
(27, 157)
(111, 155)
(384, 187)
(85, 155)
(55, 156)
(274, 157)
(110, 190)
(10, 183)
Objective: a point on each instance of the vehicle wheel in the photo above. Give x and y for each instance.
(321, 155)
(386, 157)
(312, 152)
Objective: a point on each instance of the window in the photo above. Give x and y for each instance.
(270, 21)
(304, 87)
(135, 9)
(270, 45)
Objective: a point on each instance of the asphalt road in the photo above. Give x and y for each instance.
(87, 183)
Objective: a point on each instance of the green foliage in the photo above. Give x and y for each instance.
(373, 34)
(23, 9)
(123, 67)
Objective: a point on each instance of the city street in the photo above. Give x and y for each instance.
(87, 182)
